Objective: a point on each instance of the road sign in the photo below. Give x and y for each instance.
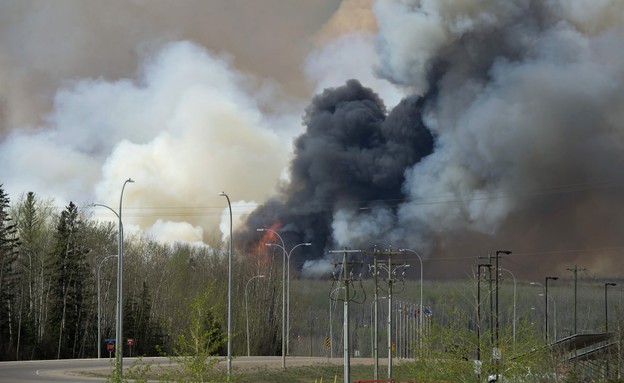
(110, 346)
(477, 366)
(130, 342)
(497, 354)
(327, 342)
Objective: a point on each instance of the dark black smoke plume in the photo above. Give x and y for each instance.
(523, 100)
(352, 156)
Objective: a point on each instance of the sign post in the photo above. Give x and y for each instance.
(110, 346)
(130, 343)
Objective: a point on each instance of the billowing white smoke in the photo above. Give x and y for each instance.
(341, 59)
(187, 128)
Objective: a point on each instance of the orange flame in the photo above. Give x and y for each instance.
(260, 249)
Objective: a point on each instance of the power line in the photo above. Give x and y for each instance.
(425, 200)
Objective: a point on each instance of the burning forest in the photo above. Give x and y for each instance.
(510, 137)
(452, 127)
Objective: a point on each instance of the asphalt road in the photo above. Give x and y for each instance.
(52, 370)
(73, 370)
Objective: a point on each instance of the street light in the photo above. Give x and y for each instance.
(499, 253)
(606, 309)
(288, 288)
(118, 376)
(229, 313)
(247, 310)
(513, 322)
(420, 315)
(554, 303)
(283, 293)
(546, 305)
(331, 333)
(99, 345)
(607, 322)
(288, 295)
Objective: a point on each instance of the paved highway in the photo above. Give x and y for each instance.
(73, 370)
(65, 370)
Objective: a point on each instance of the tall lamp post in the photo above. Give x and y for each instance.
(554, 311)
(288, 288)
(118, 376)
(331, 332)
(288, 295)
(546, 305)
(99, 340)
(606, 285)
(420, 311)
(498, 255)
(283, 293)
(606, 305)
(247, 310)
(229, 310)
(513, 322)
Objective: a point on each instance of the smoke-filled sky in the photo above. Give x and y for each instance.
(451, 127)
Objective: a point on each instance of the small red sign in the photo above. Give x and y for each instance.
(110, 346)
(130, 342)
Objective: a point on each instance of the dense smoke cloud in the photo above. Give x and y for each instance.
(44, 45)
(94, 93)
(453, 127)
(350, 159)
(190, 120)
(523, 101)
(526, 113)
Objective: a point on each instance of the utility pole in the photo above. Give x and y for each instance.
(490, 280)
(495, 338)
(478, 361)
(376, 317)
(575, 270)
(391, 271)
(346, 280)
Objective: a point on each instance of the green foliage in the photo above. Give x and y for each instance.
(34, 223)
(199, 342)
(138, 372)
(140, 325)
(449, 347)
(71, 293)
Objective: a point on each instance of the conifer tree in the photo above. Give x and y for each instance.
(8, 257)
(70, 294)
(32, 217)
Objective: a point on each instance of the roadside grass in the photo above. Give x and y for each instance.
(319, 373)
(326, 373)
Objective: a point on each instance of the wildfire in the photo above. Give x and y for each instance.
(259, 250)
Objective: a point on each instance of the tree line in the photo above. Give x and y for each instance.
(49, 263)
(49, 267)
